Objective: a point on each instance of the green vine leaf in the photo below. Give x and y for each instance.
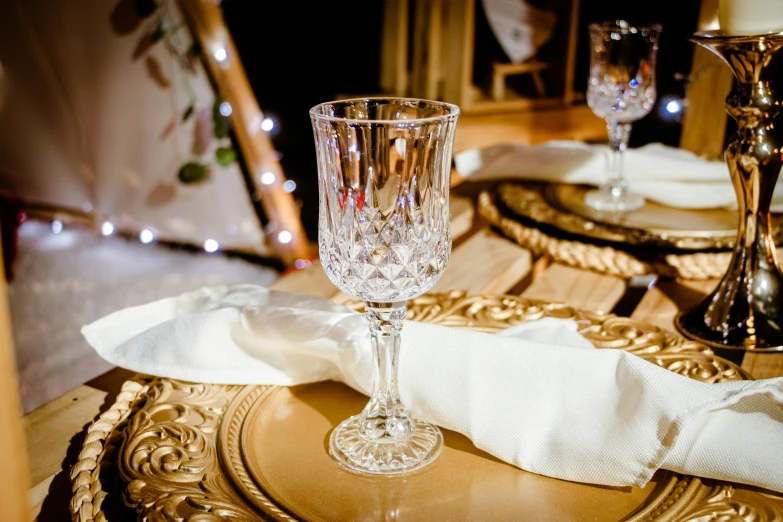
(225, 156)
(192, 172)
(194, 49)
(188, 112)
(192, 56)
(144, 8)
(220, 128)
(158, 33)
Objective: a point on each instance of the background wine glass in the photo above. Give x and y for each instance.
(621, 89)
(384, 237)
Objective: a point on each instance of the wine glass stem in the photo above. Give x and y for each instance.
(618, 136)
(385, 418)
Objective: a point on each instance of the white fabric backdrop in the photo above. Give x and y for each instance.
(83, 120)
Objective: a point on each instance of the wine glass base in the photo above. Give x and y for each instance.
(605, 202)
(386, 456)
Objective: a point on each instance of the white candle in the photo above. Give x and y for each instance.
(750, 16)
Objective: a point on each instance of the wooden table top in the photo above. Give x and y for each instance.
(482, 262)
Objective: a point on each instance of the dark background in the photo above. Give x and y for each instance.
(297, 55)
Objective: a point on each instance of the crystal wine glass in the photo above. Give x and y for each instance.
(621, 90)
(384, 237)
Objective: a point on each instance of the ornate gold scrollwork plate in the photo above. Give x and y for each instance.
(562, 207)
(247, 453)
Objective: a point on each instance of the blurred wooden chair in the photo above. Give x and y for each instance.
(501, 72)
(438, 64)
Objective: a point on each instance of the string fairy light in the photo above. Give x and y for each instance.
(211, 246)
(146, 236)
(302, 263)
(268, 178)
(220, 54)
(289, 186)
(671, 108)
(284, 237)
(267, 124)
(107, 228)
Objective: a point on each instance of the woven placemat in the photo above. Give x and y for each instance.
(604, 259)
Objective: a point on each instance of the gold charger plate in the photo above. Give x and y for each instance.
(211, 452)
(562, 206)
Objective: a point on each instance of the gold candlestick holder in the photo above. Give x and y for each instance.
(745, 311)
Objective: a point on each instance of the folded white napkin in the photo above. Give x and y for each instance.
(571, 412)
(666, 175)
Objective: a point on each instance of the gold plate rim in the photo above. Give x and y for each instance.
(552, 194)
(165, 436)
(539, 203)
(674, 493)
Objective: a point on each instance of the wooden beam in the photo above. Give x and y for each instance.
(394, 48)
(570, 67)
(419, 51)
(206, 20)
(14, 480)
(434, 75)
(577, 288)
(458, 52)
(485, 264)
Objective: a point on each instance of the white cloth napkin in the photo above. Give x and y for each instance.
(666, 175)
(571, 412)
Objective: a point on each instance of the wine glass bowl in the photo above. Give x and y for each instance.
(384, 237)
(384, 231)
(621, 89)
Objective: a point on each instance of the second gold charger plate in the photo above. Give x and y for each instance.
(552, 219)
(184, 451)
(562, 206)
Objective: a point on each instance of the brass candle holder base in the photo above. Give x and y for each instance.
(745, 312)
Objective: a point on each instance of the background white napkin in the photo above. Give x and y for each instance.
(571, 412)
(667, 175)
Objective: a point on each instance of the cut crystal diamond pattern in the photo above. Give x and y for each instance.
(385, 259)
(361, 454)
